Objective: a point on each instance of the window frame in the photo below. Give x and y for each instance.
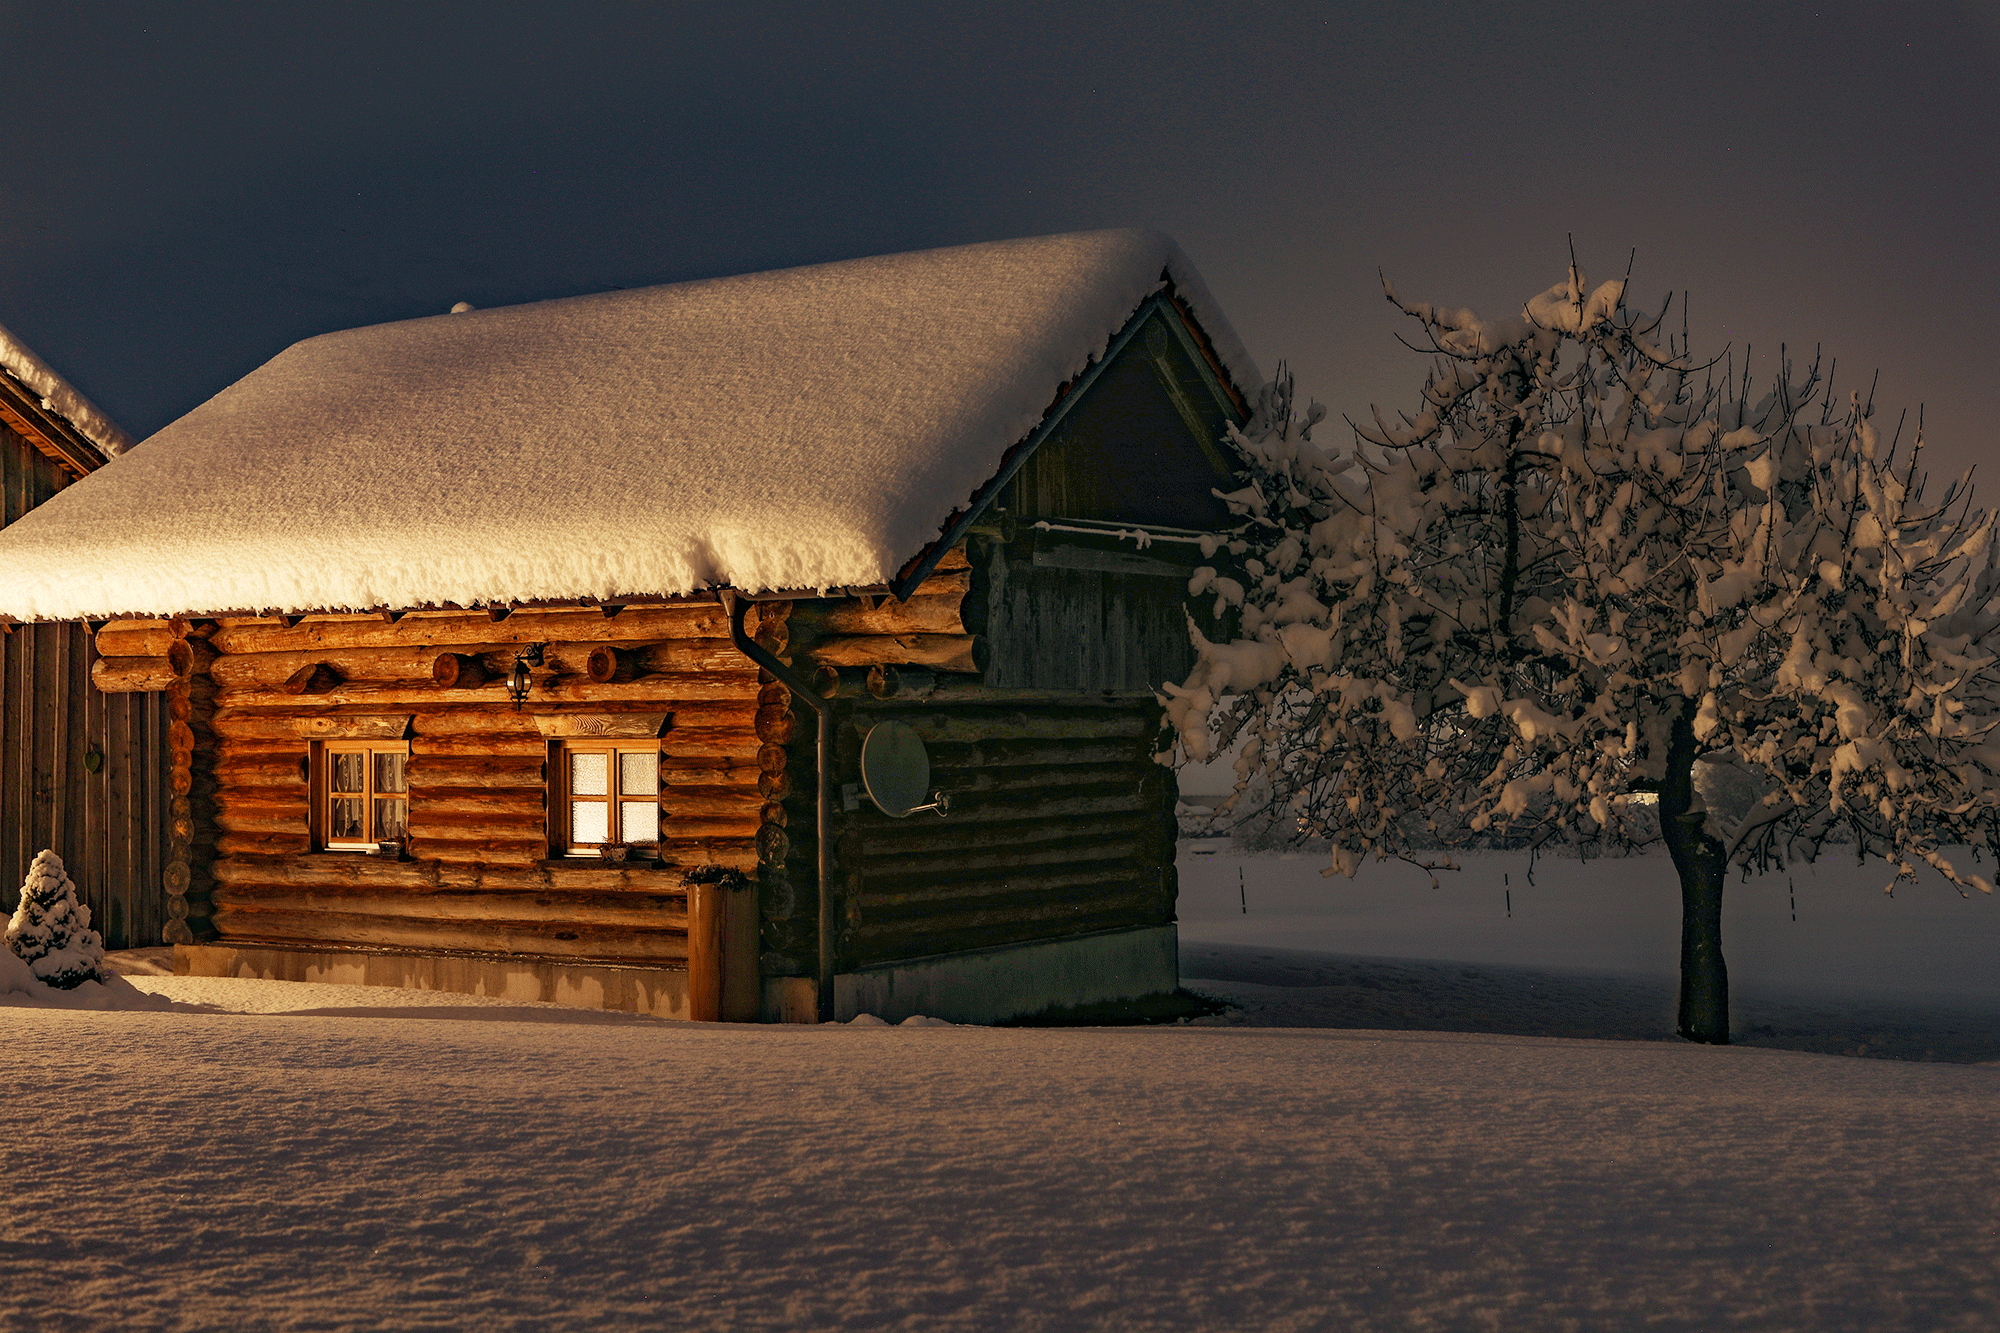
(321, 768)
(562, 800)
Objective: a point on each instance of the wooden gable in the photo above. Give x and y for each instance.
(1142, 445)
(1067, 594)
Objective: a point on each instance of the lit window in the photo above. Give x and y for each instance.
(610, 797)
(364, 797)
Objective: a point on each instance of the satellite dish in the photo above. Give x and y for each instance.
(896, 771)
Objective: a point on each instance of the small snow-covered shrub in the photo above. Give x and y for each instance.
(50, 930)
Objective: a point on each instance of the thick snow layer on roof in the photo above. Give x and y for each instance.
(808, 428)
(58, 397)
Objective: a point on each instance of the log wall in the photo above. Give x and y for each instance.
(478, 875)
(80, 771)
(1061, 823)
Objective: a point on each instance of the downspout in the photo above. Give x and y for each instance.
(738, 606)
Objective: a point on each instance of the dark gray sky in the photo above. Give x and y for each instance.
(187, 188)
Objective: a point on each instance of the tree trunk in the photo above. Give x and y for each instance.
(1700, 859)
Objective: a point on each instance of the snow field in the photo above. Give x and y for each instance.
(317, 1157)
(201, 1170)
(1617, 915)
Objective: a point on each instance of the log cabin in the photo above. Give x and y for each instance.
(545, 651)
(81, 772)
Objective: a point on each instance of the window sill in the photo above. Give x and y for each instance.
(629, 863)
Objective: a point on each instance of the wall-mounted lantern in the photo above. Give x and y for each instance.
(520, 680)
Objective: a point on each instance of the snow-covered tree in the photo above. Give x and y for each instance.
(50, 930)
(1588, 573)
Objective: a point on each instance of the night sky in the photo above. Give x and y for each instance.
(188, 188)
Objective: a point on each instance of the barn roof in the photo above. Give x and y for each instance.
(43, 393)
(802, 429)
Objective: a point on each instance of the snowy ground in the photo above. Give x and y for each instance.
(317, 1157)
(1819, 959)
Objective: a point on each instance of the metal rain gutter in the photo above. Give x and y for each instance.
(738, 607)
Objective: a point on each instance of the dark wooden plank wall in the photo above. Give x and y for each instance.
(107, 823)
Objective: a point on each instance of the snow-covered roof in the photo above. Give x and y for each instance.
(801, 429)
(57, 396)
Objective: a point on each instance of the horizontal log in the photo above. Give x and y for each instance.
(642, 911)
(969, 755)
(465, 826)
(130, 675)
(478, 666)
(697, 771)
(332, 869)
(743, 793)
(415, 665)
(885, 837)
(261, 771)
(577, 874)
(883, 874)
(696, 827)
(721, 738)
(250, 819)
(480, 851)
(126, 639)
(685, 854)
(924, 613)
(260, 844)
(738, 812)
(248, 800)
(940, 652)
(430, 771)
(303, 722)
(585, 624)
(1063, 903)
(492, 715)
(479, 747)
(1011, 807)
(961, 726)
(877, 948)
(229, 749)
(650, 693)
(499, 802)
(1033, 777)
(1079, 888)
(624, 726)
(668, 657)
(380, 874)
(743, 754)
(533, 938)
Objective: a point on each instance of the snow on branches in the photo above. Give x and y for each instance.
(1585, 568)
(50, 930)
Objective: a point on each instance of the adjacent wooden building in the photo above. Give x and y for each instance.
(80, 771)
(534, 707)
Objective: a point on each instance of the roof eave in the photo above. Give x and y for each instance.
(22, 410)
